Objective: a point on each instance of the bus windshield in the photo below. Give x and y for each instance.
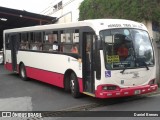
(127, 48)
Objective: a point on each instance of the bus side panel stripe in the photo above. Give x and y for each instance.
(45, 76)
(80, 81)
(8, 66)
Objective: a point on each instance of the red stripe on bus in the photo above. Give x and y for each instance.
(45, 76)
(8, 66)
(49, 77)
(80, 81)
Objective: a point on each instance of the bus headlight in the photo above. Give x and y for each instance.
(151, 82)
(109, 87)
(104, 88)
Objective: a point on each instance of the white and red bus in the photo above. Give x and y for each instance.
(82, 57)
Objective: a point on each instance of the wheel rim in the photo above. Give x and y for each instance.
(22, 73)
(72, 86)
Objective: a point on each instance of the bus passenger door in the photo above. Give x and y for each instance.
(14, 49)
(88, 62)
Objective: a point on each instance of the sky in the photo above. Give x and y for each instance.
(35, 6)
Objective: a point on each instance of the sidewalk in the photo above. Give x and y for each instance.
(16, 104)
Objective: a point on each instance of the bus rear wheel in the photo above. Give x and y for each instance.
(74, 86)
(22, 72)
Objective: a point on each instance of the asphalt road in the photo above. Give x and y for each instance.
(149, 104)
(39, 96)
(32, 95)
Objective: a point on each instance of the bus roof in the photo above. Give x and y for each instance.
(96, 24)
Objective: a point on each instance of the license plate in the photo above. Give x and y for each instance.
(136, 92)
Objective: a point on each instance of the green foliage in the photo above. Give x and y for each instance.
(121, 9)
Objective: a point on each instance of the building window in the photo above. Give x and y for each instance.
(57, 6)
(60, 5)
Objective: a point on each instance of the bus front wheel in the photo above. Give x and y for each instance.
(22, 72)
(74, 86)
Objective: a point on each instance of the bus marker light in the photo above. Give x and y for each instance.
(109, 94)
(153, 88)
(151, 82)
(149, 89)
(143, 90)
(118, 93)
(109, 87)
(105, 88)
(101, 93)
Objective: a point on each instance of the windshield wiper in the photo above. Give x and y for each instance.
(145, 64)
(142, 62)
(126, 68)
(123, 69)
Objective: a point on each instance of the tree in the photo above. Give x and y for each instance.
(137, 10)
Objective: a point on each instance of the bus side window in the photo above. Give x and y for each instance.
(24, 44)
(76, 40)
(36, 41)
(55, 42)
(66, 38)
(50, 41)
(69, 41)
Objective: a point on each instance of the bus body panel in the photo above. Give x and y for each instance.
(45, 66)
(50, 62)
(51, 67)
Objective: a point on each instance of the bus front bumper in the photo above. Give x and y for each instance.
(123, 92)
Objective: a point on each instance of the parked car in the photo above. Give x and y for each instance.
(1, 57)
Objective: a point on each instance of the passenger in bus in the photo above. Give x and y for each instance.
(74, 49)
(50, 38)
(36, 46)
(122, 51)
(52, 42)
(24, 45)
(27, 45)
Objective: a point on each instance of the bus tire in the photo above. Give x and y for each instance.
(67, 82)
(22, 72)
(74, 86)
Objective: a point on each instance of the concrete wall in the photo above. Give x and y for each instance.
(69, 12)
